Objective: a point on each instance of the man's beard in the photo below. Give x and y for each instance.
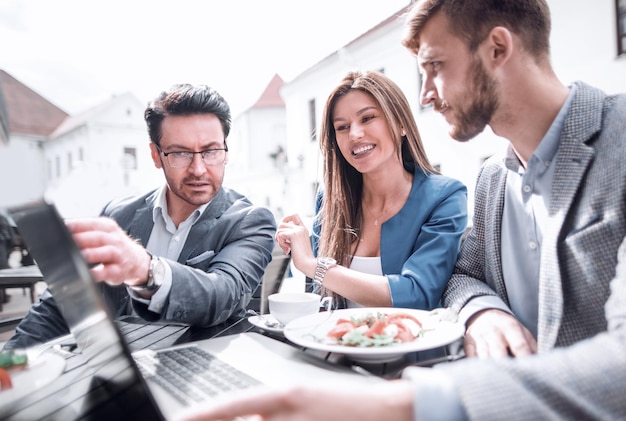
(474, 115)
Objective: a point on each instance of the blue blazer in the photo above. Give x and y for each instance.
(419, 244)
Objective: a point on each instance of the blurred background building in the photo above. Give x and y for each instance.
(83, 161)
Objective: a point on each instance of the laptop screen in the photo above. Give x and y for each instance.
(117, 380)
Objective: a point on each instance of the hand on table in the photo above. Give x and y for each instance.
(495, 333)
(117, 257)
(343, 401)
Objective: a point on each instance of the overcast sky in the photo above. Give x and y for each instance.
(77, 53)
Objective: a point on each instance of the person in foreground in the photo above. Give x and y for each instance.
(192, 251)
(389, 227)
(534, 271)
(582, 381)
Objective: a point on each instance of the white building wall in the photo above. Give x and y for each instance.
(584, 44)
(104, 172)
(22, 171)
(583, 48)
(238, 152)
(255, 135)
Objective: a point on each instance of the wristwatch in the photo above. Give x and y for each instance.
(156, 274)
(323, 264)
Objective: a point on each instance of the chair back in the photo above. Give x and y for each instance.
(271, 282)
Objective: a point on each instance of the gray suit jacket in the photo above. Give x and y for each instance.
(218, 270)
(587, 223)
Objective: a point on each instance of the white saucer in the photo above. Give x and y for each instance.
(40, 370)
(259, 322)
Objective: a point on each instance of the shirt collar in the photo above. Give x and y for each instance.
(549, 145)
(160, 209)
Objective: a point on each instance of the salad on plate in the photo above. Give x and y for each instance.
(380, 329)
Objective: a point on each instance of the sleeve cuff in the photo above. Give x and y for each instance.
(436, 397)
(157, 301)
(477, 304)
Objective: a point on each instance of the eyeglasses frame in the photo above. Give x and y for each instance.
(193, 153)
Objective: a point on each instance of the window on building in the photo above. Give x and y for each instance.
(130, 159)
(620, 6)
(312, 120)
(58, 166)
(69, 161)
(81, 156)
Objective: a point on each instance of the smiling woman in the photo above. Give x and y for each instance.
(388, 226)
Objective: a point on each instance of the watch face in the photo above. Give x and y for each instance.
(159, 271)
(327, 261)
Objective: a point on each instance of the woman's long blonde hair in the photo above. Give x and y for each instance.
(340, 215)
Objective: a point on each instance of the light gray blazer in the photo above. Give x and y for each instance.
(587, 223)
(585, 381)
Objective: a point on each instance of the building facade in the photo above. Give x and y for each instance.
(79, 162)
(578, 53)
(83, 161)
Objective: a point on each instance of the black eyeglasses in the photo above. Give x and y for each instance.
(183, 159)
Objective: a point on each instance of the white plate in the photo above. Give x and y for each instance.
(310, 332)
(259, 322)
(41, 369)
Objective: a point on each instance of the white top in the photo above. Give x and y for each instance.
(371, 265)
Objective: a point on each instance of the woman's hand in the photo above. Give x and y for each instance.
(293, 237)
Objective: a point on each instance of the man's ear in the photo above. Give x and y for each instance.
(499, 43)
(156, 156)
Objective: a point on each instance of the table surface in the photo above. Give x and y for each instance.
(72, 391)
(27, 274)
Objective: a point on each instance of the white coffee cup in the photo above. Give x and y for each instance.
(288, 306)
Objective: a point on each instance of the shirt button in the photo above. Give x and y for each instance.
(177, 238)
(532, 245)
(526, 188)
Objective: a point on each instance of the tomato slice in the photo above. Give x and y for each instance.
(376, 329)
(340, 329)
(392, 318)
(339, 321)
(5, 380)
(404, 333)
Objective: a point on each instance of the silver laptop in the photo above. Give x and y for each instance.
(139, 383)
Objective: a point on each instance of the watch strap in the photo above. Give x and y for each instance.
(151, 284)
(323, 264)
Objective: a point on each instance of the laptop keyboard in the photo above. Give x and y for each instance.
(191, 374)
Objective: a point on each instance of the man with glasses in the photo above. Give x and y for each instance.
(191, 251)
